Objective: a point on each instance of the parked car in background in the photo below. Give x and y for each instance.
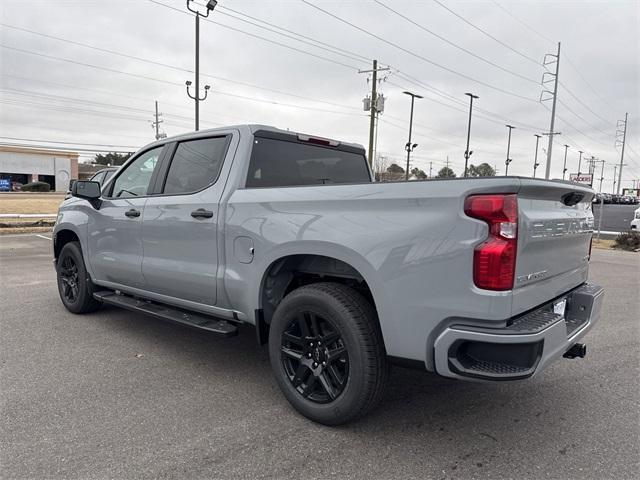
(103, 176)
(635, 223)
(16, 186)
(481, 279)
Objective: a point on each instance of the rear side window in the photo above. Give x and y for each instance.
(195, 165)
(279, 163)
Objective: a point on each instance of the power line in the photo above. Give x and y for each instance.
(523, 55)
(167, 65)
(356, 56)
(327, 59)
(581, 118)
(68, 143)
(312, 42)
(522, 22)
(218, 92)
(582, 103)
(455, 45)
(416, 55)
(547, 39)
(112, 70)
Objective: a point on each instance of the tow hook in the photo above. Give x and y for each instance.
(577, 350)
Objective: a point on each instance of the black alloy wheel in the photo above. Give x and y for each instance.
(74, 284)
(69, 279)
(315, 358)
(327, 352)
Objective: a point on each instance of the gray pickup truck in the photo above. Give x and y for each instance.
(481, 279)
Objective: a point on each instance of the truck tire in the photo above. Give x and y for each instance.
(74, 284)
(327, 353)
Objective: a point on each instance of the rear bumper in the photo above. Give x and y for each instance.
(525, 346)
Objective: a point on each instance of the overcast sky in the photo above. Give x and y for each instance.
(315, 89)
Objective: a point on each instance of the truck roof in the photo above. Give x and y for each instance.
(253, 128)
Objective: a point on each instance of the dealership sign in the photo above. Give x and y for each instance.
(585, 178)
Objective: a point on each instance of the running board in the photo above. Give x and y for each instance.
(171, 314)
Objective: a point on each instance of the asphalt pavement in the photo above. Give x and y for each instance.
(119, 395)
(615, 218)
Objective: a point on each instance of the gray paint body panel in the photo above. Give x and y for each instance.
(411, 242)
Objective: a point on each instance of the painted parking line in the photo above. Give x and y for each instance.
(22, 235)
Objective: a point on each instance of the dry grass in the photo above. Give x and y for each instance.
(603, 244)
(30, 202)
(12, 230)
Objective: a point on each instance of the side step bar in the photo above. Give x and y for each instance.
(171, 314)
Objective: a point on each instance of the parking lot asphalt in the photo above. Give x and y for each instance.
(120, 395)
(615, 218)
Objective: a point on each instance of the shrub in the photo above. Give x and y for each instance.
(628, 241)
(36, 187)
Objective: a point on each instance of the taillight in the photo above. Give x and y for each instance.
(494, 260)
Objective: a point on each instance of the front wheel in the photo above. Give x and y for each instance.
(74, 285)
(327, 353)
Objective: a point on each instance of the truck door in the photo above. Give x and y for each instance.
(115, 229)
(180, 224)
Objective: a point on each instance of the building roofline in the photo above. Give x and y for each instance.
(43, 151)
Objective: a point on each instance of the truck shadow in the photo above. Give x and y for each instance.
(467, 416)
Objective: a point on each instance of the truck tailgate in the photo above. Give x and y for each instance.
(554, 235)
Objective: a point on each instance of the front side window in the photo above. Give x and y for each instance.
(281, 163)
(134, 180)
(195, 165)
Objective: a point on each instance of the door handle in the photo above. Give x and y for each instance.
(132, 213)
(202, 213)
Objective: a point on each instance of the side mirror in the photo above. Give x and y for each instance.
(86, 189)
(71, 182)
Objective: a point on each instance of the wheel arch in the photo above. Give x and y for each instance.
(61, 238)
(284, 272)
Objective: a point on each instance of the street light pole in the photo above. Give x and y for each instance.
(468, 153)
(580, 161)
(564, 166)
(409, 146)
(535, 159)
(211, 4)
(508, 160)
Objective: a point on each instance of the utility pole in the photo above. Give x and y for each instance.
(535, 158)
(580, 161)
(601, 175)
(624, 139)
(372, 106)
(467, 152)
(430, 169)
(553, 107)
(615, 168)
(156, 124)
(508, 160)
(409, 147)
(592, 164)
(211, 4)
(564, 166)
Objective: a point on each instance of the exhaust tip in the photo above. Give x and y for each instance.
(577, 350)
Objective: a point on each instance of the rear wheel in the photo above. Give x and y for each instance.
(74, 285)
(327, 353)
